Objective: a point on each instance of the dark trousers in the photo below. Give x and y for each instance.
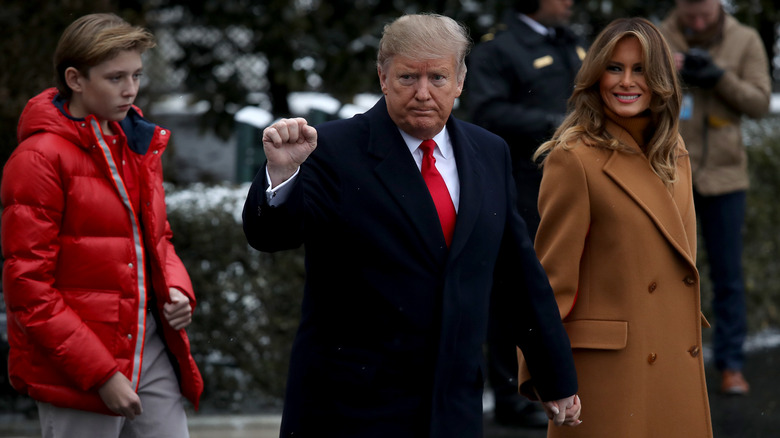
(722, 218)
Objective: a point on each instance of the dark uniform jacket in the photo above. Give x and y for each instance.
(517, 87)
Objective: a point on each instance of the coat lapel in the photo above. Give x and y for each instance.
(471, 185)
(399, 174)
(632, 173)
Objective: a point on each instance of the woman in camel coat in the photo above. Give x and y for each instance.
(618, 241)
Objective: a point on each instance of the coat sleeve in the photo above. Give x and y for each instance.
(33, 200)
(176, 273)
(313, 198)
(564, 208)
(749, 89)
(523, 290)
(273, 228)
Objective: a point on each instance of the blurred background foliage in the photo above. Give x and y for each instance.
(233, 53)
(248, 302)
(762, 224)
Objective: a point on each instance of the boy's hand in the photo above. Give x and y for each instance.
(118, 395)
(177, 311)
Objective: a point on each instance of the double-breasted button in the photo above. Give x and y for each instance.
(652, 287)
(651, 358)
(694, 350)
(689, 281)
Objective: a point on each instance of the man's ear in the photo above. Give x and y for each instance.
(382, 79)
(73, 79)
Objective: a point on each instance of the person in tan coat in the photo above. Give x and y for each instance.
(618, 241)
(725, 72)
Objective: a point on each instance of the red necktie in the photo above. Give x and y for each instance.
(439, 193)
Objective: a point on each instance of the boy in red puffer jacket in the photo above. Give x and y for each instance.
(97, 298)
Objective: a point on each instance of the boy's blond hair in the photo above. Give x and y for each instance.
(92, 40)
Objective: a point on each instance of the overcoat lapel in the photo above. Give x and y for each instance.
(471, 179)
(398, 172)
(632, 173)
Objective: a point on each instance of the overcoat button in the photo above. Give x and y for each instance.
(652, 287)
(129, 336)
(694, 350)
(651, 358)
(689, 280)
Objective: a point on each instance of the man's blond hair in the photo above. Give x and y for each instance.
(425, 36)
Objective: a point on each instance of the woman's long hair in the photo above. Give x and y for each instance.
(585, 120)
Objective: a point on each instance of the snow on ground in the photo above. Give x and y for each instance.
(204, 197)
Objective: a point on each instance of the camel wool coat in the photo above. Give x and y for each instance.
(619, 248)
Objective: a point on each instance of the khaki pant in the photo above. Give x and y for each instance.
(163, 411)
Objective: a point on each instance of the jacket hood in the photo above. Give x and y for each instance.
(41, 114)
(46, 113)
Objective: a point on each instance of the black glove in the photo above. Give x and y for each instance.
(699, 70)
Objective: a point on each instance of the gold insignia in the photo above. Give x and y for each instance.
(542, 62)
(581, 53)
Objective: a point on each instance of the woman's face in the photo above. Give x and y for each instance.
(623, 87)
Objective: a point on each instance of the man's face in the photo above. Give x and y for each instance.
(420, 94)
(109, 88)
(553, 13)
(698, 15)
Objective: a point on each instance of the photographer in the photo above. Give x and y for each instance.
(725, 70)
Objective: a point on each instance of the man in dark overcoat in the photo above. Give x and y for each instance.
(408, 219)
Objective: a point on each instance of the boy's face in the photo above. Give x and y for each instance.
(109, 88)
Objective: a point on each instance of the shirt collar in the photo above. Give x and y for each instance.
(442, 140)
(535, 25)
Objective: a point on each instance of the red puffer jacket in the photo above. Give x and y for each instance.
(74, 278)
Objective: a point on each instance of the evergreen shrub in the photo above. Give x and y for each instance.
(248, 301)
